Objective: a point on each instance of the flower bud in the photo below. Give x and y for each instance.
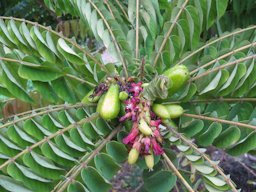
(133, 156)
(144, 128)
(149, 159)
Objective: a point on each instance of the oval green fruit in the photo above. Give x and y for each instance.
(100, 103)
(174, 110)
(149, 159)
(123, 95)
(133, 156)
(161, 111)
(110, 106)
(144, 128)
(178, 75)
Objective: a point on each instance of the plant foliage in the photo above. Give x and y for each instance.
(67, 146)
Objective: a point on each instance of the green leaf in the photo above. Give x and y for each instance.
(245, 145)
(41, 45)
(76, 187)
(209, 135)
(162, 181)
(193, 128)
(43, 74)
(64, 90)
(69, 53)
(106, 165)
(13, 83)
(28, 178)
(228, 137)
(117, 151)
(94, 181)
(12, 185)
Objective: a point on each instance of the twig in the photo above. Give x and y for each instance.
(137, 29)
(214, 100)
(177, 173)
(35, 110)
(222, 66)
(167, 35)
(220, 120)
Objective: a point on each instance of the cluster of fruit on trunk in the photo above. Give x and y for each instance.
(123, 98)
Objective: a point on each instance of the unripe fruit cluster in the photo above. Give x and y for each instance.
(145, 117)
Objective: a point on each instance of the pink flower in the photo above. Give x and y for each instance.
(136, 88)
(132, 135)
(156, 133)
(125, 117)
(156, 147)
(158, 136)
(147, 143)
(155, 123)
(137, 146)
(131, 104)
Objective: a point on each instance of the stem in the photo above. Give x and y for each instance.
(216, 167)
(224, 100)
(46, 139)
(222, 66)
(214, 41)
(177, 173)
(220, 120)
(33, 110)
(41, 113)
(81, 80)
(223, 56)
(142, 66)
(72, 174)
(121, 7)
(113, 37)
(214, 100)
(19, 61)
(109, 8)
(169, 32)
(137, 29)
(87, 54)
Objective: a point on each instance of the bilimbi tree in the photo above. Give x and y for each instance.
(168, 94)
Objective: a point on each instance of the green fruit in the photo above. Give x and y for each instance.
(123, 95)
(174, 110)
(88, 99)
(133, 156)
(144, 128)
(161, 111)
(149, 159)
(178, 75)
(110, 107)
(100, 103)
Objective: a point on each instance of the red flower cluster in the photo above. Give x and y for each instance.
(137, 108)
